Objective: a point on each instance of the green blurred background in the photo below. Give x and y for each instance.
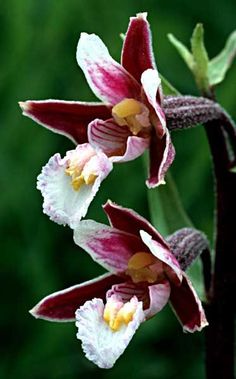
(38, 42)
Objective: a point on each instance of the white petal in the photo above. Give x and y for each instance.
(62, 203)
(100, 344)
(151, 83)
(110, 247)
(108, 79)
(162, 253)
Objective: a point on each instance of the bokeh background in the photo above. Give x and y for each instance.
(38, 42)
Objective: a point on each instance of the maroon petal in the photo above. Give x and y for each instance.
(187, 306)
(162, 154)
(61, 306)
(131, 222)
(137, 54)
(69, 118)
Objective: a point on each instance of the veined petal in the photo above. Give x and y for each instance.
(134, 148)
(158, 297)
(116, 141)
(126, 290)
(131, 222)
(62, 203)
(110, 247)
(137, 60)
(151, 83)
(153, 297)
(100, 344)
(69, 118)
(108, 79)
(187, 306)
(162, 153)
(164, 255)
(107, 135)
(61, 306)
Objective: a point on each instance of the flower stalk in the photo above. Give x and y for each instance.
(220, 334)
(184, 112)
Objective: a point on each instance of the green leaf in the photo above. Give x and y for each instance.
(201, 59)
(166, 210)
(183, 51)
(219, 65)
(168, 89)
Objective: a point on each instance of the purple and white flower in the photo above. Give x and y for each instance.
(143, 276)
(131, 118)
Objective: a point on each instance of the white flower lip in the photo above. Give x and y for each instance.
(62, 203)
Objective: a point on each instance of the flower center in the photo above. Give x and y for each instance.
(131, 113)
(116, 314)
(78, 179)
(144, 267)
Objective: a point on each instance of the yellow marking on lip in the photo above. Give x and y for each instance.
(77, 178)
(116, 315)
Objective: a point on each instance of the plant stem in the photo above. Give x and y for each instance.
(183, 112)
(220, 310)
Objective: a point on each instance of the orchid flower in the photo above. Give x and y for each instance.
(131, 118)
(143, 276)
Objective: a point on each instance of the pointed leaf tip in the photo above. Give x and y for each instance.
(201, 59)
(182, 50)
(220, 64)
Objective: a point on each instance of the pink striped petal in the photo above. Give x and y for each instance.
(69, 118)
(100, 344)
(107, 135)
(188, 307)
(164, 255)
(158, 297)
(61, 306)
(110, 247)
(62, 203)
(154, 297)
(151, 83)
(127, 290)
(134, 148)
(162, 153)
(131, 222)
(116, 141)
(136, 60)
(108, 79)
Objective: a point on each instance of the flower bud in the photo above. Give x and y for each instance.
(187, 244)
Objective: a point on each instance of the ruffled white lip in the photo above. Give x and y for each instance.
(100, 344)
(62, 203)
